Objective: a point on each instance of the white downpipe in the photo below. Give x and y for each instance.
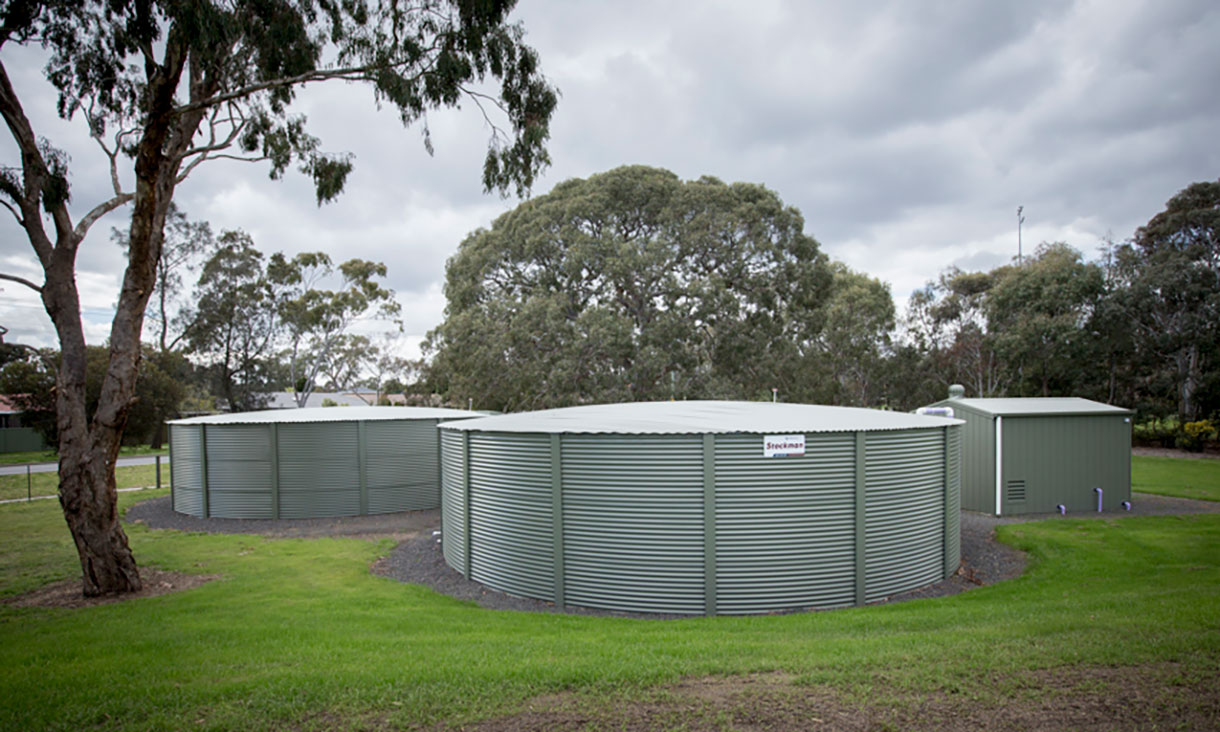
(999, 466)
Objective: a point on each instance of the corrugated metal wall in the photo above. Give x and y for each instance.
(1061, 459)
(978, 459)
(785, 527)
(319, 469)
(453, 498)
(510, 514)
(671, 524)
(953, 499)
(240, 471)
(186, 472)
(633, 522)
(904, 510)
(401, 465)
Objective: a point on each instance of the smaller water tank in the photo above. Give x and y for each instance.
(308, 463)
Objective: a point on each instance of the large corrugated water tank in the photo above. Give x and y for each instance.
(702, 507)
(308, 463)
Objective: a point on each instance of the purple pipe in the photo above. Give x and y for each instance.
(1098, 499)
(1127, 505)
(1062, 509)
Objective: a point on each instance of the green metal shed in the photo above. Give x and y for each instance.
(308, 463)
(1033, 455)
(702, 507)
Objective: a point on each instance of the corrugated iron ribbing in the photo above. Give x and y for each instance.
(633, 522)
(510, 515)
(953, 511)
(401, 465)
(453, 498)
(319, 470)
(643, 531)
(186, 471)
(239, 471)
(784, 527)
(904, 511)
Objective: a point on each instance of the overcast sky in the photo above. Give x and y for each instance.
(907, 133)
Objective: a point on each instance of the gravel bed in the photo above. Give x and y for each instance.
(418, 558)
(158, 513)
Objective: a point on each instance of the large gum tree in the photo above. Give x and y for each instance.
(167, 85)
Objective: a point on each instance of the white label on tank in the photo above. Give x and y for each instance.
(783, 445)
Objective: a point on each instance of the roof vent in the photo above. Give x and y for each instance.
(957, 391)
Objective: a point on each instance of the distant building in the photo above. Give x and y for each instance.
(288, 400)
(15, 437)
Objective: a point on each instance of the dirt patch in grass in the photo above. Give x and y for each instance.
(67, 593)
(1125, 698)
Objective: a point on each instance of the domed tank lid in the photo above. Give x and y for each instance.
(700, 417)
(331, 414)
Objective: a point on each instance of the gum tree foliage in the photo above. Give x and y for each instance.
(855, 340)
(233, 327)
(165, 86)
(946, 322)
(316, 321)
(632, 285)
(183, 244)
(1040, 314)
(1169, 289)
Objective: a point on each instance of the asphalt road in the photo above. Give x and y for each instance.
(52, 467)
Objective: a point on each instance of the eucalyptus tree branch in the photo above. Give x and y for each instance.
(497, 134)
(99, 211)
(363, 72)
(34, 171)
(21, 281)
(14, 212)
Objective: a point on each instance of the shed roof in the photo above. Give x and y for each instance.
(331, 414)
(1036, 406)
(698, 417)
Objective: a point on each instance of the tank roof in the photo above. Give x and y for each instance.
(331, 414)
(698, 417)
(1035, 406)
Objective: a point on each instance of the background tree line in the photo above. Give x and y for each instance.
(633, 284)
(228, 326)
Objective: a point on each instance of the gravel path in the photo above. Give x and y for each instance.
(418, 560)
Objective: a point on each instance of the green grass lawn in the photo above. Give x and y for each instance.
(50, 456)
(298, 634)
(1178, 477)
(47, 484)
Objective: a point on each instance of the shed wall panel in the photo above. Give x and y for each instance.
(186, 473)
(904, 511)
(510, 513)
(978, 459)
(453, 499)
(785, 527)
(1062, 459)
(633, 522)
